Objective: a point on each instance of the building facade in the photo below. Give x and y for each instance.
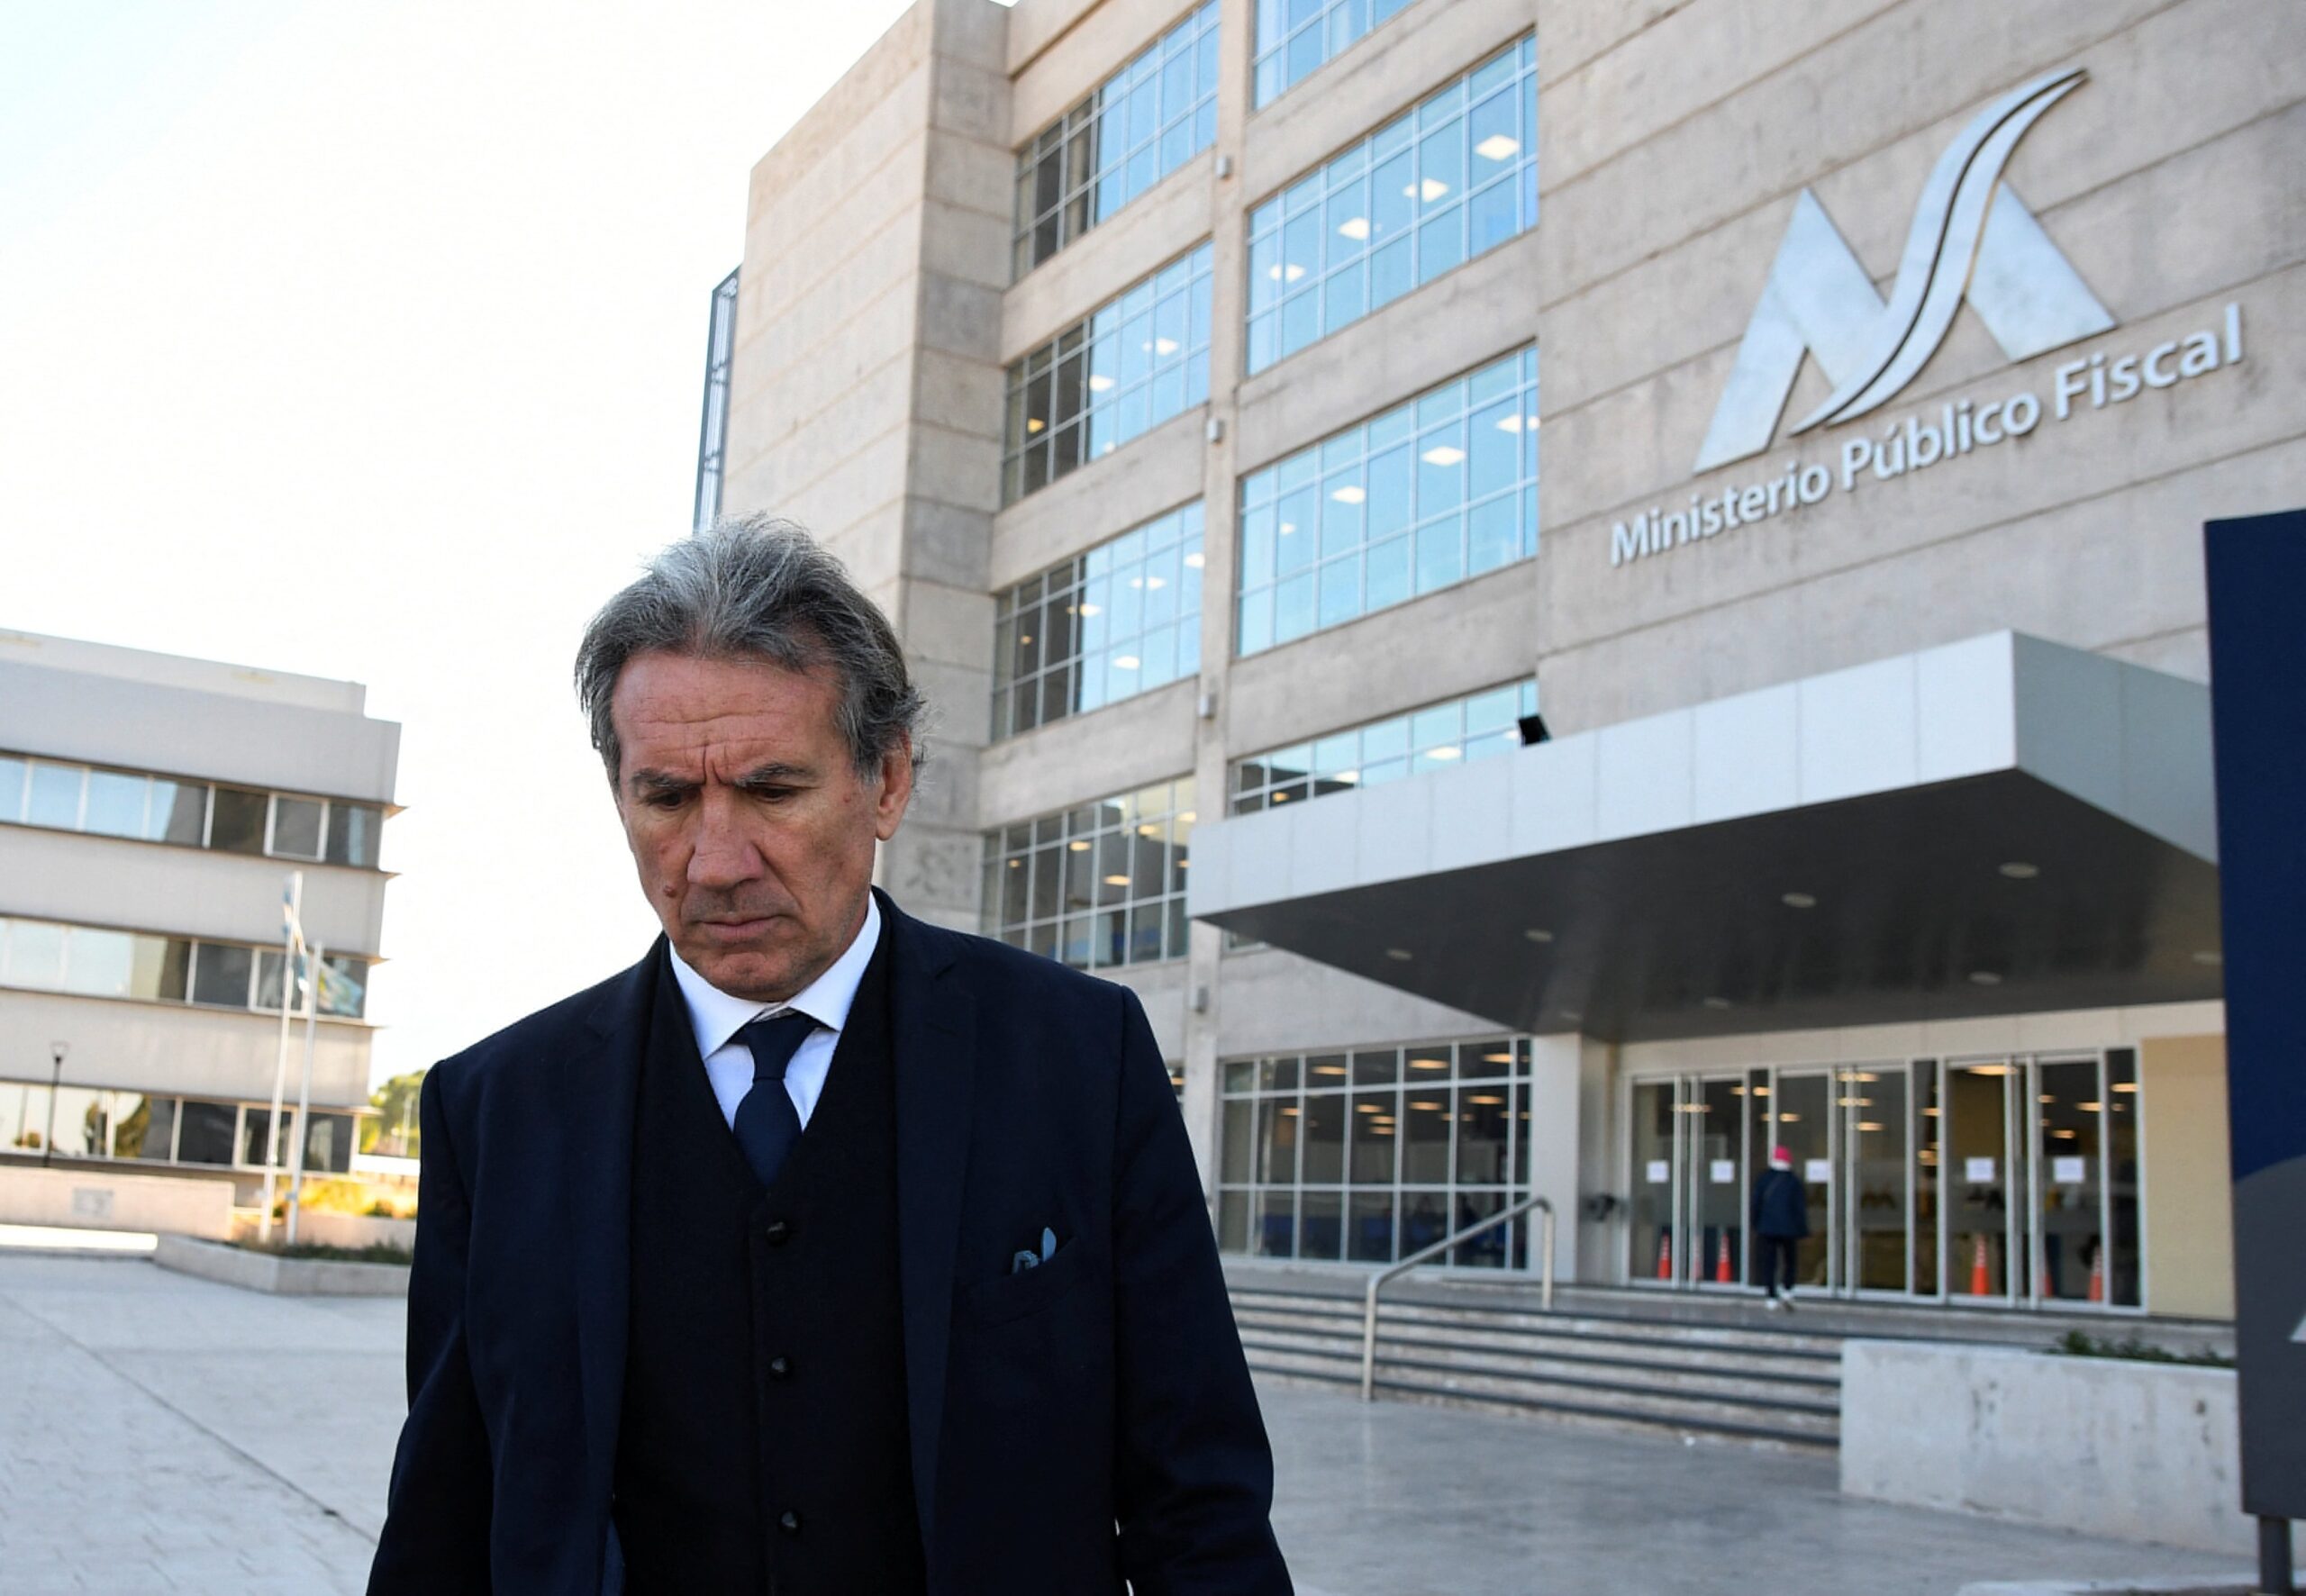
(1574, 594)
(152, 812)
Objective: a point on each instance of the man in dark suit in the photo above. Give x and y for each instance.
(822, 1250)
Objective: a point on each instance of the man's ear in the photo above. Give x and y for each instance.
(895, 788)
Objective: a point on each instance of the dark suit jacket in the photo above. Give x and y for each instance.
(1781, 1205)
(1071, 1425)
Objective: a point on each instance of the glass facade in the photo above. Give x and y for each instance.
(1295, 36)
(1120, 620)
(1368, 1155)
(713, 441)
(94, 961)
(1432, 492)
(1143, 122)
(1427, 192)
(1132, 363)
(1478, 727)
(1096, 886)
(93, 1122)
(66, 796)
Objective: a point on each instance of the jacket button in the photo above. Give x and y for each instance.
(789, 1521)
(780, 1368)
(778, 1232)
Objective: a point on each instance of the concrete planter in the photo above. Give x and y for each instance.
(100, 1198)
(283, 1277)
(2110, 1447)
(353, 1229)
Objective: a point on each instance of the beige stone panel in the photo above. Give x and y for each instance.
(959, 317)
(969, 99)
(796, 247)
(932, 871)
(1633, 447)
(1916, 68)
(954, 467)
(971, 32)
(1100, 42)
(969, 244)
(865, 495)
(946, 542)
(1351, 95)
(1148, 233)
(1035, 24)
(828, 132)
(1572, 34)
(1272, 1002)
(2189, 1193)
(776, 407)
(1085, 757)
(2100, 573)
(1140, 480)
(1483, 309)
(851, 306)
(1162, 988)
(1459, 640)
(968, 172)
(2184, 652)
(817, 439)
(959, 395)
(959, 721)
(949, 624)
(1664, 72)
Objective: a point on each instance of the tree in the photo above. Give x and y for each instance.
(391, 1131)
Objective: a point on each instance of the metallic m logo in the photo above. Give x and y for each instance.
(1971, 238)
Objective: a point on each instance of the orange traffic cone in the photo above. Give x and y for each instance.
(1665, 1254)
(1980, 1281)
(2097, 1278)
(1721, 1262)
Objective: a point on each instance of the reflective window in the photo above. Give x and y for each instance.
(1133, 363)
(98, 962)
(206, 1134)
(720, 344)
(1367, 1156)
(106, 803)
(1096, 886)
(1120, 620)
(93, 1122)
(1429, 190)
(1295, 36)
(1143, 122)
(1432, 492)
(144, 1128)
(1478, 727)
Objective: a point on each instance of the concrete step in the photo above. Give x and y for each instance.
(1741, 1421)
(1664, 1369)
(1792, 1345)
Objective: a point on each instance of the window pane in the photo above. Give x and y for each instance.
(328, 1143)
(237, 826)
(144, 1127)
(159, 964)
(179, 812)
(116, 804)
(99, 963)
(12, 788)
(296, 827)
(56, 794)
(257, 1147)
(205, 1135)
(35, 954)
(221, 974)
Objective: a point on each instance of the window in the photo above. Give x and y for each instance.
(1097, 886)
(156, 808)
(206, 1134)
(1120, 620)
(713, 444)
(1135, 362)
(1432, 492)
(1295, 36)
(1143, 122)
(96, 962)
(1477, 728)
(1432, 189)
(1365, 1155)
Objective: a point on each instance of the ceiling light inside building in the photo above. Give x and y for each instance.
(1284, 274)
(1798, 900)
(1116, 881)
(1193, 561)
(1498, 147)
(1446, 751)
(1399, 955)
(1509, 424)
(1125, 662)
(1100, 383)
(1538, 934)
(1164, 346)
(2209, 957)
(1984, 979)
(1348, 494)
(1717, 1003)
(1442, 454)
(1091, 608)
(2019, 870)
(1431, 189)
(1034, 423)
(1356, 228)
(1076, 847)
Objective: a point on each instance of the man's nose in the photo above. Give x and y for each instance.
(723, 857)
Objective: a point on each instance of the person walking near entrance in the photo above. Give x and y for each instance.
(1781, 1219)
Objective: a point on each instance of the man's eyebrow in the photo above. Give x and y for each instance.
(661, 781)
(776, 773)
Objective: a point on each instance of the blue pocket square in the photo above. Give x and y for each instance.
(1026, 1258)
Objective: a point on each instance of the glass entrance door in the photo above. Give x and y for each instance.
(1802, 1120)
(1716, 1181)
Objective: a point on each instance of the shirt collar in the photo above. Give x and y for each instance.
(716, 1017)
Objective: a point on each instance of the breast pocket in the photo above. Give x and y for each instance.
(1009, 1297)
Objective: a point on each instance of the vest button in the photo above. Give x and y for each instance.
(781, 1368)
(789, 1521)
(778, 1232)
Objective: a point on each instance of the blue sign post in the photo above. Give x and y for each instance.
(2256, 570)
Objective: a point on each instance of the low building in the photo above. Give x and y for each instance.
(152, 812)
(1266, 422)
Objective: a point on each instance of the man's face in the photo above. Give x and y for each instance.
(751, 828)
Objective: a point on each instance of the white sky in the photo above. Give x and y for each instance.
(366, 341)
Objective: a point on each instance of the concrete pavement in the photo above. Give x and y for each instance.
(161, 1433)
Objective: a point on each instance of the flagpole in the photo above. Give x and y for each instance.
(291, 910)
(313, 966)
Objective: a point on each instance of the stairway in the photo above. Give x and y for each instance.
(1780, 1385)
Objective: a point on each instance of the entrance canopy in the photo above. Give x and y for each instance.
(1998, 826)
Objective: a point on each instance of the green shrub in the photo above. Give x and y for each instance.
(2081, 1343)
(382, 1252)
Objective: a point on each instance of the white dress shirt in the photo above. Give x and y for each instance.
(717, 1017)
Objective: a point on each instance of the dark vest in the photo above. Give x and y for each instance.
(764, 1444)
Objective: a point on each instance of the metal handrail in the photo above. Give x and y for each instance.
(1379, 1280)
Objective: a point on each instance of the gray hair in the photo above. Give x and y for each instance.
(756, 587)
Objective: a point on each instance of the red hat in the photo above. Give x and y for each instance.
(1782, 1157)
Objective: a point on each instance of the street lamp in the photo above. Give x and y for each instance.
(56, 1052)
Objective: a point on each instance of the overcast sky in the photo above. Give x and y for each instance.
(366, 342)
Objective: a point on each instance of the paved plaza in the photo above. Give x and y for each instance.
(161, 1434)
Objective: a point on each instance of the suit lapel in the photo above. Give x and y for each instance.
(596, 1105)
(934, 1027)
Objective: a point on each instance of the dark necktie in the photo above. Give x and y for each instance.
(767, 1122)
